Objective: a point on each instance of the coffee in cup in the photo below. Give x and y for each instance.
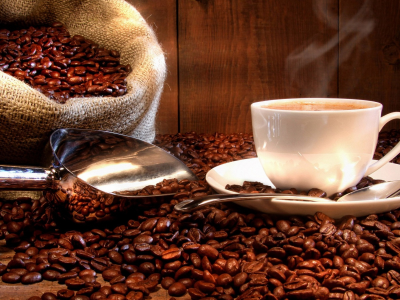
(323, 143)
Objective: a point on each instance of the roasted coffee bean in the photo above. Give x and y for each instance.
(49, 296)
(97, 296)
(208, 251)
(171, 254)
(224, 280)
(117, 279)
(16, 263)
(11, 277)
(155, 277)
(75, 283)
(196, 293)
(120, 288)
(81, 297)
(147, 268)
(109, 274)
(240, 279)
(68, 275)
(115, 257)
(51, 275)
(132, 295)
(177, 289)
(166, 282)
(20, 272)
(31, 277)
(187, 282)
(205, 287)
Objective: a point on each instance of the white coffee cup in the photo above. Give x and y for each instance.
(330, 149)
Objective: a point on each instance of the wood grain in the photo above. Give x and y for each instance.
(233, 53)
(371, 32)
(161, 16)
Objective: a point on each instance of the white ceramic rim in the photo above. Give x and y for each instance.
(216, 185)
(372, 105)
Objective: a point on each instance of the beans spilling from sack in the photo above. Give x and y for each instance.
(61, 66)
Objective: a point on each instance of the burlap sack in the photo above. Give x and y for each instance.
(27, 117)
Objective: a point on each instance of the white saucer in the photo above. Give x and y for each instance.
(250, 170)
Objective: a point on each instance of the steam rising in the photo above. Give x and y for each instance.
(353, 38)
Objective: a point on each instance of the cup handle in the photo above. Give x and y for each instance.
(392, 153)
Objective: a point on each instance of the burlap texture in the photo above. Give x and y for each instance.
(27, 117)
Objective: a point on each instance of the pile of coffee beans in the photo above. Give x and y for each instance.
(221, 252)
(61, 66)
(202, 152)
(214, 253)
(386, 141)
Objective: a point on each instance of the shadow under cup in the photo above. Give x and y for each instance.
(320, 143)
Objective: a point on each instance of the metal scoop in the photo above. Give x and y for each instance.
(96, 166)
(378, 191)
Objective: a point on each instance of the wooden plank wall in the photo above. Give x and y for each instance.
(223, 55)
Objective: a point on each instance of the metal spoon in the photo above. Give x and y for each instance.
(192, 204)
(382, 190)
(379, 191)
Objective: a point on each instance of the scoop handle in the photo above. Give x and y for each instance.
(191, 204)
(24, 178)
(392, 153)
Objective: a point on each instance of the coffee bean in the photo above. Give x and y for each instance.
(74, 283)
(119, 288)
(16, 263)
(147, 268)
(171, 254)
(187, 282)
(224, 280)
(87, 272)
(166, 282)
(209, 251)
(115, 257)
(132, 295)
(20, 272)
(117, 279)
(109, 274)
(68, 275)
(31, 277)
(81, 297)
(51, 275)
(11, 277)
(97, 296)
(49, 296)
(98, 264)
(177, 289)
